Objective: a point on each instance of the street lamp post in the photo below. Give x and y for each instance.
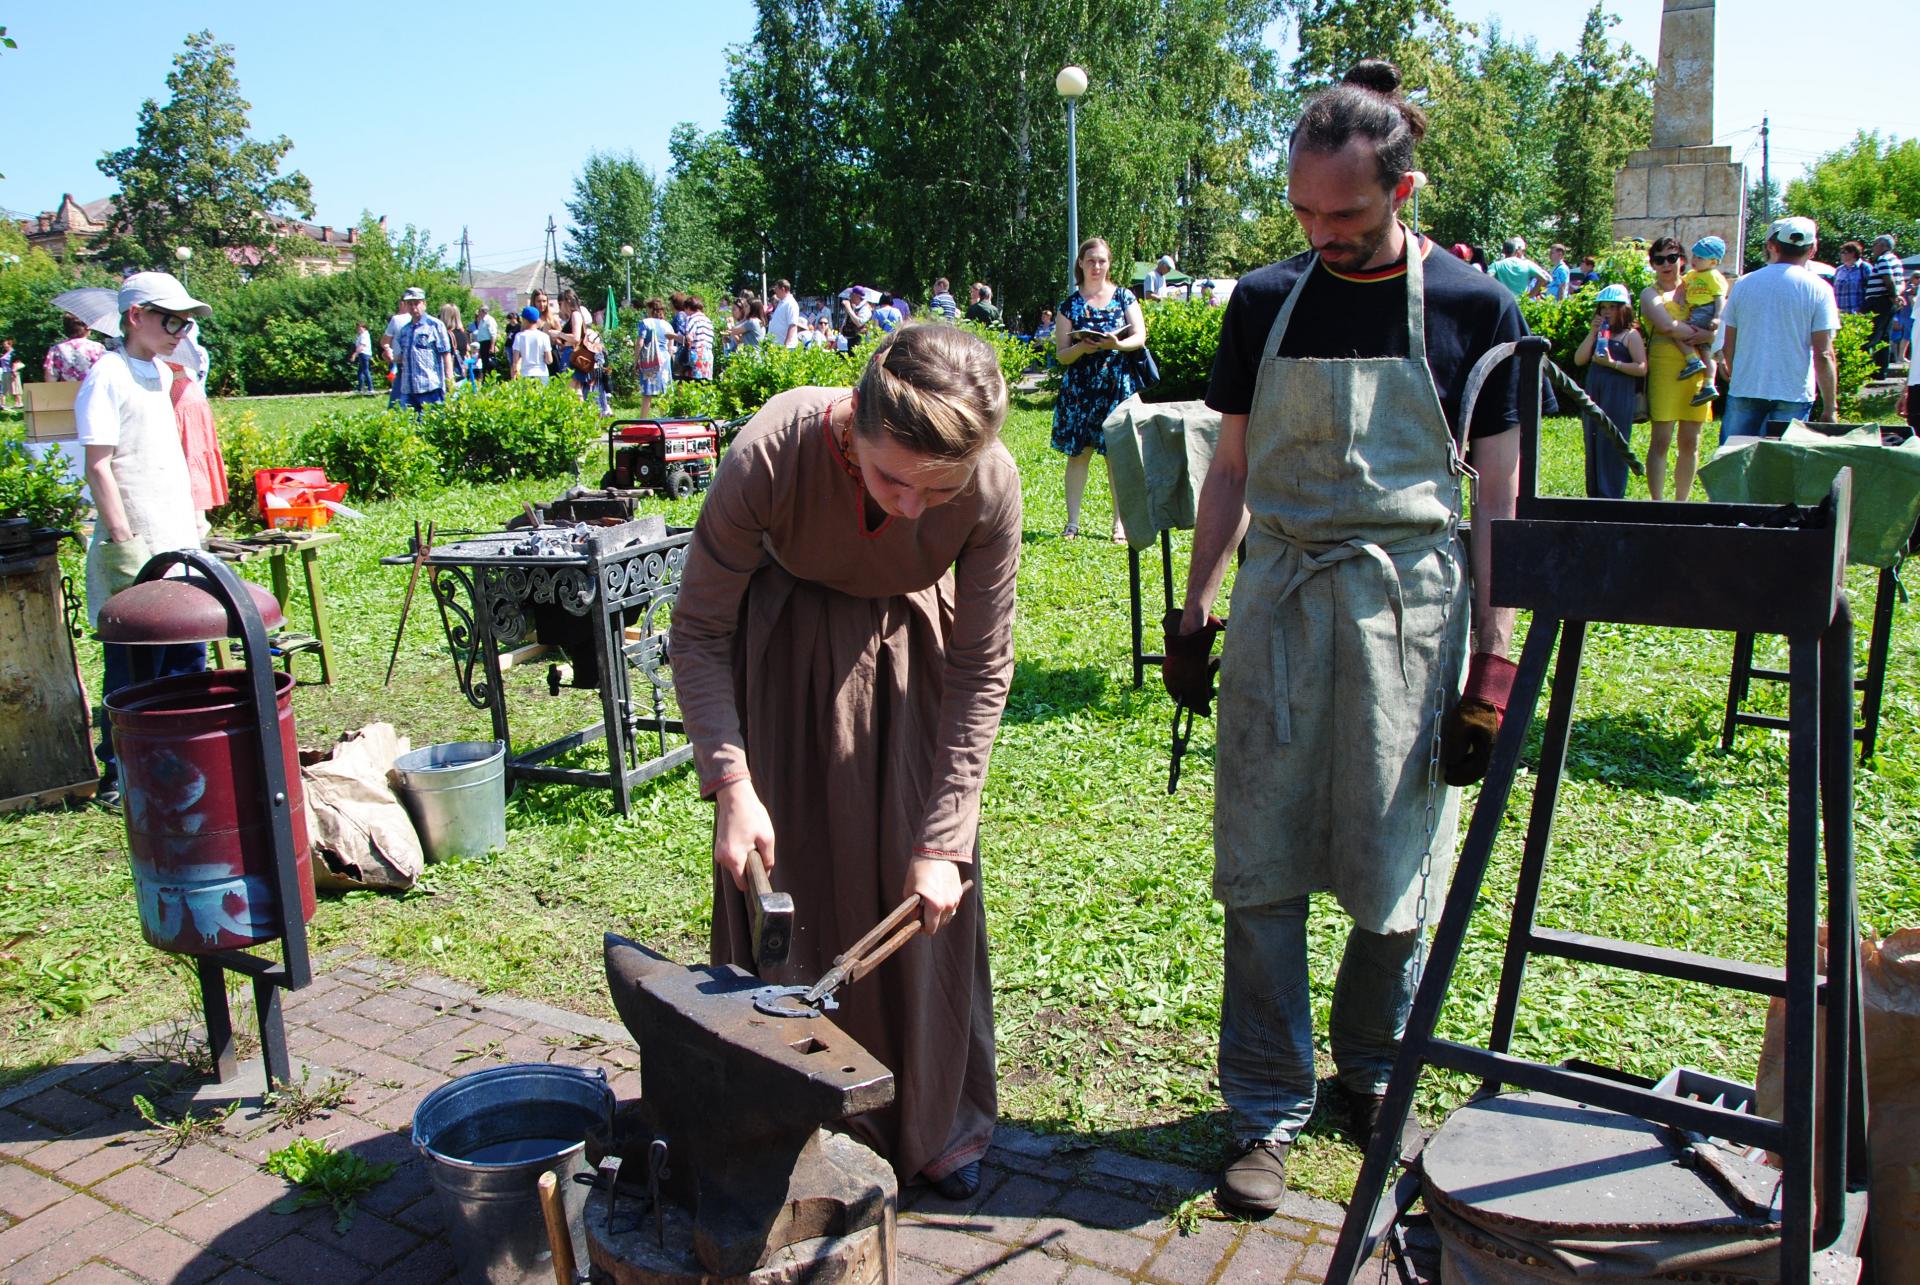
(184, 253)
(626, 252)
(1072, 82)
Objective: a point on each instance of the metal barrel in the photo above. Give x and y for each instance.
(456, 795)
(523, 1121)
(198, 826)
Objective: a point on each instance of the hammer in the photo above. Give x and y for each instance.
(772, 914)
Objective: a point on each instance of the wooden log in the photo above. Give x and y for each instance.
(46, 749)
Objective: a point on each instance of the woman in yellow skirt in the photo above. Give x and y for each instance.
(1663, 306)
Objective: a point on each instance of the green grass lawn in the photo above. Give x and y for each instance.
(1106, 944)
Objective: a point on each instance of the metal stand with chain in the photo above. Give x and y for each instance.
(1723, 567)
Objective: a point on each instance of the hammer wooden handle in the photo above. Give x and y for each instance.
(559, 1238)
(757, 875)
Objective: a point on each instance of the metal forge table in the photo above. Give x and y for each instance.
(605, 604)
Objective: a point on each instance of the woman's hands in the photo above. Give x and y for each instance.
(740, 826)
(937, 883)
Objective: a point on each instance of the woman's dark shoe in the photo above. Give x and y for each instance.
(960, 1184)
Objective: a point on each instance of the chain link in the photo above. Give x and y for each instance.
(1437, 713)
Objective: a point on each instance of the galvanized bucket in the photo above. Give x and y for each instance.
(486, 1138)
(456, 795)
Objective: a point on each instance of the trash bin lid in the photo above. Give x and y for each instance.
(1546, 1166)
(176, 609)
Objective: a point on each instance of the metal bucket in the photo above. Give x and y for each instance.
(456, 795)
(486, 1138)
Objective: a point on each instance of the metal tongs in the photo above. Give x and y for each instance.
(849, 966)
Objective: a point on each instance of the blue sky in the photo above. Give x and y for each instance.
(443, 123)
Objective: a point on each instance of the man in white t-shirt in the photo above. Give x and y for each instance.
(138, 473)
(1780, 323)
(783, 327)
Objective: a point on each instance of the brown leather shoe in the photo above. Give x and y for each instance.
(1256, 1180)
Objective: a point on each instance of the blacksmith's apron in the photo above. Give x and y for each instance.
(1348, 634)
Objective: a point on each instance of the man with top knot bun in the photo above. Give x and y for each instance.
(1344, 729)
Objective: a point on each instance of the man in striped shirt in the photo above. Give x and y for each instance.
(1881, 296)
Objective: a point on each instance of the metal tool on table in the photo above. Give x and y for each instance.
(421, 548)
(849, 966)
(771, 917)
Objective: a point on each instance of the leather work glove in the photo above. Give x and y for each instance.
(1189, 665)
(1467, 733)
(121, 560)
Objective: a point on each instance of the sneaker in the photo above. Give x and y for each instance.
(960, 1184)
(1693, 367)
(1255, 1180)
(1354, 1113)
(107, 793)
(1705, 395)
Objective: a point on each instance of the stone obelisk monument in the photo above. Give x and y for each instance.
(1683, 186)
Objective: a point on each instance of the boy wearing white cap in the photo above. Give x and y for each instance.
(142, 493)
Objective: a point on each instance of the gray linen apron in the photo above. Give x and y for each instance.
(1348, 634)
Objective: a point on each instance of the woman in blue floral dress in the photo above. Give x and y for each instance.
(1098, 329)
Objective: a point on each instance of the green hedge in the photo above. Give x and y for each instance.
(512, 428)
(518, 428)
(1183, 336)
(751, 376)
(40, 490)
(378, 452)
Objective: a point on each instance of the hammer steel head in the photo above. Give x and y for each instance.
(772, 915)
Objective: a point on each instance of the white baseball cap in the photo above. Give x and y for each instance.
(1794, 231)
(162, 291)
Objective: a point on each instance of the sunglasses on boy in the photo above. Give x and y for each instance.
(171, 322)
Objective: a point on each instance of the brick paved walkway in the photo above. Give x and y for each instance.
(86, 1197)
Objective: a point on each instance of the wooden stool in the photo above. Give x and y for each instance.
(276, 546)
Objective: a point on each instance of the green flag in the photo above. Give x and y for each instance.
(613, 312)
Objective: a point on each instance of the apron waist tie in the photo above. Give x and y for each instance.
(1315, 558)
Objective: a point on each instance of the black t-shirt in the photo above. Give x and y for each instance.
(1365, 315)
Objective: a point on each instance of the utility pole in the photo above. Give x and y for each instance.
(1766, 175)
(466, 258)
(550, 255)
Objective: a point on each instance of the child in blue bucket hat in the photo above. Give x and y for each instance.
(1705, 288)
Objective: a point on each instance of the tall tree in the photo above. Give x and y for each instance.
(615, 202)
(900, 142)
(1421, 37)
(1602, 110)
(711, 211)
(1488, 151)
(193, 175)
(1878, 177)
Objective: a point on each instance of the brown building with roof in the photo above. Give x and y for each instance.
(314, 249)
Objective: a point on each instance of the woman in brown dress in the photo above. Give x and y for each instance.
(842, 647)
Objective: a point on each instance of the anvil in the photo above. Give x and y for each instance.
(739, 1096)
